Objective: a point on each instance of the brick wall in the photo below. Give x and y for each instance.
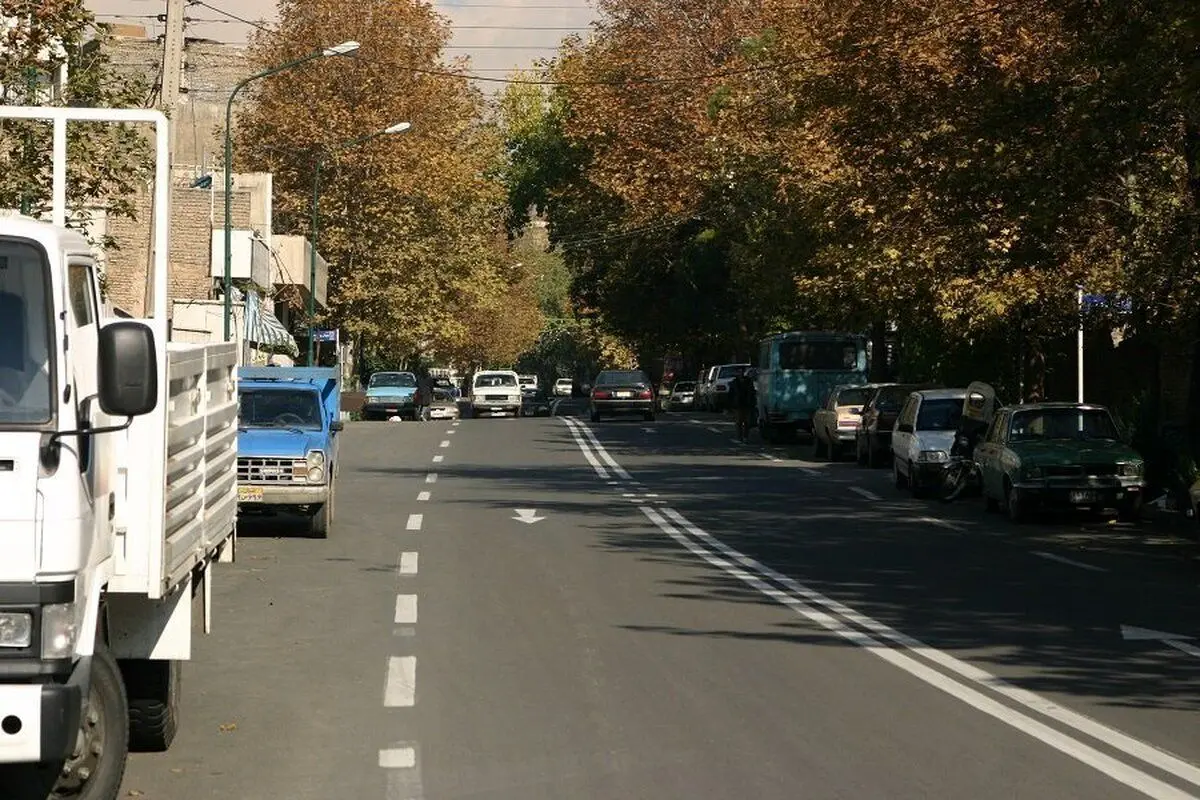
(194, 214)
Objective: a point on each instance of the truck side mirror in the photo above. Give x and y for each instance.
(337, 425)
(128, 369)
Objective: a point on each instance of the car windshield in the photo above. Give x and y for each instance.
(563, 382)
(853, 397)
(528, 381)
(25, 396)
(492, 380)
(830, 355)
(939, 414)
(685, 386)
(1038, 424)
(621, 377)
(279, 408)
(402, 380)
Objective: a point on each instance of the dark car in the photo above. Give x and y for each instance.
(873, 441)
(622, 392)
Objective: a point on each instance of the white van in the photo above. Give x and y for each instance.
(496, 390)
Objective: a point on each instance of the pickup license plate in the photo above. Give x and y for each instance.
(250, 494)
(624, 395)
(1082, 497)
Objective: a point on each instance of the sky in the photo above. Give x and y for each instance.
(497, 35)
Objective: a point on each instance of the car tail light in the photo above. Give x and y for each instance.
(601, 395)
(644, 395)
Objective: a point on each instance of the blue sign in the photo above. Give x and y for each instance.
(324, 336)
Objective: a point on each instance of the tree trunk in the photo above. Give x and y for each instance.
(880, 368)
(1035, 371)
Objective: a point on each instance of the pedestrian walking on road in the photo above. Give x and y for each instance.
(741, 397)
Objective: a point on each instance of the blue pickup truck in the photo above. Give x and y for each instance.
(288, 424)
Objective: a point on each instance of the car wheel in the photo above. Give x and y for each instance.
(819, 449)
(1014, 505)
(898, 478)
(595, 416)
(914, 483)
(835, 451)
(990, 504)
(860, 453)
(871, 451)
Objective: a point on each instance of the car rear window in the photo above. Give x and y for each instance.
(853, 397)
(940, 414)
(685, 386)
(622, 377)
(731, 371)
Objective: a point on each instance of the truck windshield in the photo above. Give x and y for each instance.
(279, 408)
(403, 380)
(837, 356)
(25, 396)
(493, 380)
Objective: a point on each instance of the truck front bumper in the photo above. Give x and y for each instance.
(1067, 493)
(39, 722)
(257, 495)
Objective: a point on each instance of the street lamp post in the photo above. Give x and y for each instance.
(345, 48)
(399, 127)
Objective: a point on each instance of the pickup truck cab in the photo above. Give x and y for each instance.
(288, 421)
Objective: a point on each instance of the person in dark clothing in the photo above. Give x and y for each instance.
(423, 397)
(742, 398)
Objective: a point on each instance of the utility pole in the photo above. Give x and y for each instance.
(172, 66)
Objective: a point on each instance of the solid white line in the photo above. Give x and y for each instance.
(713, 430)
(943, 523)
(414, 522)
(438, 459)
(445, 443)
(401, 688)
(603, 453)
(577, 435)
(406, 609)
(861, 492)
(812, 473)
(431, 477)
(408, 563)
(1123, 773)
(422, 497)
(1064, 560)
(398, 758)
(737, 441)
(1183, 647)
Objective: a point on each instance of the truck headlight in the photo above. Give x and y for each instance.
(315, 458)
(933, 456)
(16, 629)
(59, 630)
(1031, 473)
(316, 474)
(1131, 469)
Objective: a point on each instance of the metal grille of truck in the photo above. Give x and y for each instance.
(271, 470)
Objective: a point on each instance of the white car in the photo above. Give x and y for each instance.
(923, 436)
(563, 387)
(496, 390)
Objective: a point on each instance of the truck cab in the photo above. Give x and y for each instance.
(288, 421)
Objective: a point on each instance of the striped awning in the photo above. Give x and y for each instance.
(264, 329)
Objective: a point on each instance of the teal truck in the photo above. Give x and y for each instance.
(288, 424)
(796, 370)
(391, 394)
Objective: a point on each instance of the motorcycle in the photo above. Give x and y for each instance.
(960, 473)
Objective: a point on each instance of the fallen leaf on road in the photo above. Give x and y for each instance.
(135, 793)
(228, 726)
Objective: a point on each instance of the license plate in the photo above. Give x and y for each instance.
(250, 494)
(624, 395)
(1081, 497)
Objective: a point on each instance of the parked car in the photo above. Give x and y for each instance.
(704, 387)
(923, 436)
(496, 390)
(529, 384)
(835, 424)
(683, 396)
(1059, 455)
(873, 439)
(622, 392)
(717, 398)
(563, 387)
(444, 404)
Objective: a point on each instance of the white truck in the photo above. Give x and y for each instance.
(117, 493)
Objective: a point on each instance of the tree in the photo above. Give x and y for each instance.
(411, 224)
(106, 163)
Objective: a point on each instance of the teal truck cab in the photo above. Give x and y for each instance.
(797, 369)
(288, 421)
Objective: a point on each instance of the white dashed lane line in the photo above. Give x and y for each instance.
(414, 522)
(408, 563)
(431, 477)
(422, 497)
(438, 459)
(445, 443)
(401, 688)
(406, 609)
(398, 758)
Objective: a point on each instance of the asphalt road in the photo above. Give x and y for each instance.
(547, 608)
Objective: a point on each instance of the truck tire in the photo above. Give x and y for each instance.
(153, 691)
(96, 770)
(318, 522)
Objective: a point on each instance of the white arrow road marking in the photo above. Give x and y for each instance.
(1131, 633)
(527, 515)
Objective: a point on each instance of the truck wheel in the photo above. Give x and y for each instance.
(153, 689)
(319, 521)
(94, 771)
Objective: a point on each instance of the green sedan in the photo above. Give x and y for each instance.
(1059, 455)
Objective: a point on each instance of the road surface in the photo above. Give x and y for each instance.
(549, 608)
